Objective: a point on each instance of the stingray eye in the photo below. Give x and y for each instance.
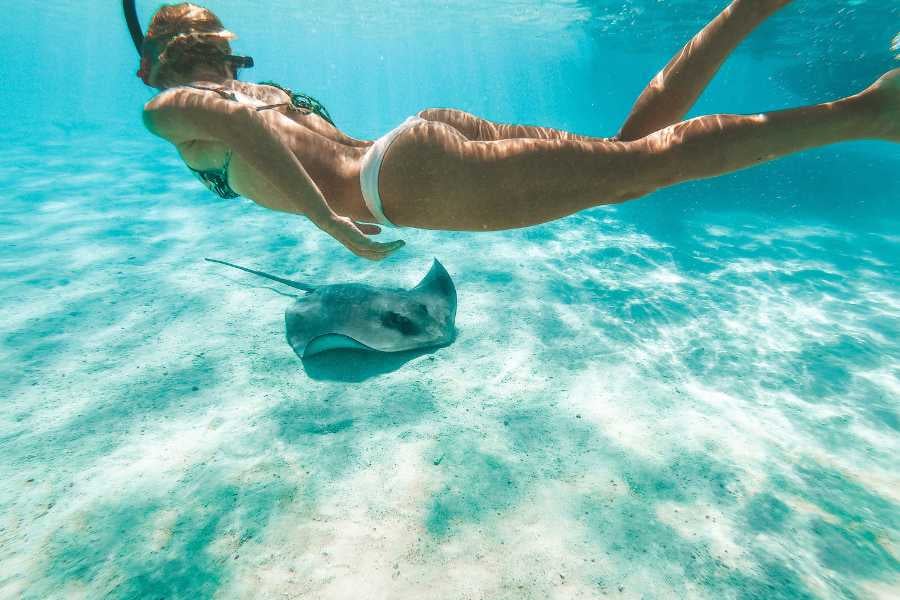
(399, 322)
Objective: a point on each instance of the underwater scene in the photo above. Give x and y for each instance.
(695, 394)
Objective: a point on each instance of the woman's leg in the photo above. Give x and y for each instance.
(666, 99)
(675, 89)
(433, 178)
(717, 144)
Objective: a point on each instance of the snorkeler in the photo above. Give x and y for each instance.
(450, 170)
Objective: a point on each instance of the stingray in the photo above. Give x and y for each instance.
(365, 317)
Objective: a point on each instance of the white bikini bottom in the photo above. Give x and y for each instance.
(371, 165)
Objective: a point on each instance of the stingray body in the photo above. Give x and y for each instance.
(354, 315)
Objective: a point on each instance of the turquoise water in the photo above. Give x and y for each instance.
(694, 395)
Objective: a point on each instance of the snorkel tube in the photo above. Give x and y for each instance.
(137, 36)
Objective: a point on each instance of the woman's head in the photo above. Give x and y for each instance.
(181, 38)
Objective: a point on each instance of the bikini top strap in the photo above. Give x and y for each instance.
(289, 105)
(303, 103)
(279, 105)
(230, 95)
(227, 94)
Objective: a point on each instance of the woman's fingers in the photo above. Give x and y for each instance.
(372, 250)
(349, 233)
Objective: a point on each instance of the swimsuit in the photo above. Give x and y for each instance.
(217, 179)
(371, 166)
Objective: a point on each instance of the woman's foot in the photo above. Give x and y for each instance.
(883, 99)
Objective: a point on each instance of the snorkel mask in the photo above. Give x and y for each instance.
(137, 36)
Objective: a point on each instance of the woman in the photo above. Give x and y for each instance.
(446, 169)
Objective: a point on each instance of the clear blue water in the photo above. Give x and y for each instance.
(694, 395)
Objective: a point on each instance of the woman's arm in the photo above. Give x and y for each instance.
(260, 140)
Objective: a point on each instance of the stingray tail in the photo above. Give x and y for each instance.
(293, 284)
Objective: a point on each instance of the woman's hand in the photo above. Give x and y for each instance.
(351, 235)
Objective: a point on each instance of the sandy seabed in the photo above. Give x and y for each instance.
(709, 413)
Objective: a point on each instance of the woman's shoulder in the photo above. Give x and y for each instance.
(185, 113)
(170, 98)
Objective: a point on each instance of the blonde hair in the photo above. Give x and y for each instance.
(182, 36)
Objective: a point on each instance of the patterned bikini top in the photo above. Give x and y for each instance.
(217, 179)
